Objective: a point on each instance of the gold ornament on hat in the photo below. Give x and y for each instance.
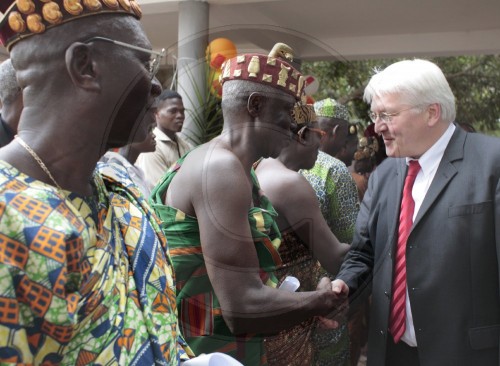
(301, 82)
(35, 24)
(112, 4)
(28, 17)
(283, 75)
(16, 22)
(253, 67)
(25, 6)
(52, 13)
(92, 5)
(125, 4)
(136, 8)
(74, 7)
(281, 50)
(273, 70)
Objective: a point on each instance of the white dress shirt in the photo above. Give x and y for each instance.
(155, 164)
(429, 163)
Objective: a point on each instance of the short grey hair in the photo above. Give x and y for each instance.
(236, 92)
(9, 88)
(419, 82)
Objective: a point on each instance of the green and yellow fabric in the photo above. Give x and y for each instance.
(200, 316)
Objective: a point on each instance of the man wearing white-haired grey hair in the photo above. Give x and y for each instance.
(11, 98)
(427, 238)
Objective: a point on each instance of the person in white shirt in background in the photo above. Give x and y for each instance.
(169, 145)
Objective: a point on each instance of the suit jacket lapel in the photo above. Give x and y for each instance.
(446, 171)
(394, 192)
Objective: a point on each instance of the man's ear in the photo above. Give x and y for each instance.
(254, 104)
(82, 69)
(334, 130)
(434, 114)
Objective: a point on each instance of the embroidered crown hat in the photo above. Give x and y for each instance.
(274, 70)
(24, 18)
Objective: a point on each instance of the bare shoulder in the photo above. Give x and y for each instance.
(272, 174)
(284, 187)
(301, 192)
(213, 172)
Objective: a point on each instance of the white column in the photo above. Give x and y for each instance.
(191, 65)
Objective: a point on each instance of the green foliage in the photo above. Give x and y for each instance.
(209, 122)
(207, 118)
(475, 81)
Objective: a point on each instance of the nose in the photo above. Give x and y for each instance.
(379, 126)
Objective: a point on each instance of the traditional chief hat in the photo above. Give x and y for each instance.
(24, 18)
(274, 70)
(330, 108)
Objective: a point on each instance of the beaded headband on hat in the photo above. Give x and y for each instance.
(24, 18)
(303, 113)
(272, 70)
(330, 108)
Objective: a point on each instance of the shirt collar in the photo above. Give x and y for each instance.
(162, 136)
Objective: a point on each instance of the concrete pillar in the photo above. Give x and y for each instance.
(191, 65)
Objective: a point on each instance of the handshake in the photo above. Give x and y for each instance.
(337, 299)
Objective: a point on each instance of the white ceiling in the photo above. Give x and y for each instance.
(341, 29)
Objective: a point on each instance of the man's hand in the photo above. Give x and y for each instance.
(339, 287)
(340, 303)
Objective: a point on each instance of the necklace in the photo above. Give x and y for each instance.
(39, 161)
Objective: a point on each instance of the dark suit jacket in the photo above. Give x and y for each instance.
(452, 255)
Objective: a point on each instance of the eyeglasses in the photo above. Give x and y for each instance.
(302, 134)
(384, 116)
(155, 57)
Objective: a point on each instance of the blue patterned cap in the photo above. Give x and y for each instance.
(331, 108)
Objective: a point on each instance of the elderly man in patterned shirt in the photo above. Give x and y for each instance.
(85, 275)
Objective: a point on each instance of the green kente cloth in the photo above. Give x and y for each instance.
(200, 316)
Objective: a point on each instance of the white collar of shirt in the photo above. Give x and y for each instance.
(430, 160)
(162, 136)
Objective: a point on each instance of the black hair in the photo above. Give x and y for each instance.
(168, 94)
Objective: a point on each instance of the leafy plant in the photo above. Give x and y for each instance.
(207, 118)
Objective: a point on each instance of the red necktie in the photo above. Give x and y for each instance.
(398, 304)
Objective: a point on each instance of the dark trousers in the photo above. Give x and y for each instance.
(400, 354)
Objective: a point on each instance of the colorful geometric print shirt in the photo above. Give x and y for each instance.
(200, 315)
(337, 194)
(83, 280)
